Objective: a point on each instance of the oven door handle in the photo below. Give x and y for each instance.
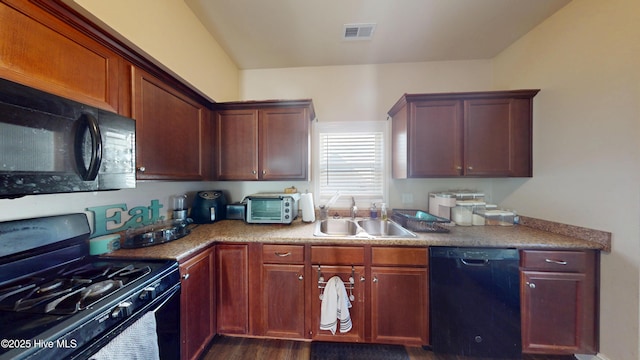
(169, 295)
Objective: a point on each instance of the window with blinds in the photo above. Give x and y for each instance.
(351, 162)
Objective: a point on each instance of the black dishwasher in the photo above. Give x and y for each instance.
(475, 302)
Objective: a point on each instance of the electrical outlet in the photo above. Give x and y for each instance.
(407, 198)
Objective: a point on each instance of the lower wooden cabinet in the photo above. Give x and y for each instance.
(274, 290)
(559, 297)
(283, 306)
(399, 296)
(232, 275)
(197, 304)
(391, 302)
(358, 303)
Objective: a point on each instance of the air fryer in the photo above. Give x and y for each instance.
(208, 207)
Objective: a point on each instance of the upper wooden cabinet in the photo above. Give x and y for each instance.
(173, 131)
(481, 134)
(263, 140)
(39, 50)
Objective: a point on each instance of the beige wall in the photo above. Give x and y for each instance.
(170, 33)
(366, 93)
(586, 149)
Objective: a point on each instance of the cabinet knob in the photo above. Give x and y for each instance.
(375, 279)
(469, 167)
(264, 172)
(142, 169)
(458, 167)
(300, 277)
(254, 172)
(185, 276)
(531, 285)
(362, 279)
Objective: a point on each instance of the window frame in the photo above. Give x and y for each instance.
(344, 201)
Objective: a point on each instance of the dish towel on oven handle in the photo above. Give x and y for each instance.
(335, 306)
(137, 342)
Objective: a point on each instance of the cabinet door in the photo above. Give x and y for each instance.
(283, 310)
(435, 139)
(357, 305)
(284, 144)
(557, 313)
(399, 305)
(172, 132)
(236, 144)
(232, 274)
(497, 137)
(41, 51)
(197, 304)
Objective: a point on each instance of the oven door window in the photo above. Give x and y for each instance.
(266, 209)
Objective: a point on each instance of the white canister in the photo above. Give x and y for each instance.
(463, 213)
(308, 210)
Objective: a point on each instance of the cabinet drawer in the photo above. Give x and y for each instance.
(337, 255)
(399, 256)
(282, 253)
(560, 261)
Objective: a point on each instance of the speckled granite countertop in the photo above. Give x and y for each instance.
(536, 234)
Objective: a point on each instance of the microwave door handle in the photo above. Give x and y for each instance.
(87, 121)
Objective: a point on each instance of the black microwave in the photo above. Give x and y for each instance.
(49, 144)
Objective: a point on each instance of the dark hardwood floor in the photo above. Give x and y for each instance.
(238, 348)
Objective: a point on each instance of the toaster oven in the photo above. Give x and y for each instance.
(272, 208)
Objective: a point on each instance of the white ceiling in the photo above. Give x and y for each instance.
(292, 33)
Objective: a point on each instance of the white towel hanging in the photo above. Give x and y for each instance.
(139, 341)
(335, 306)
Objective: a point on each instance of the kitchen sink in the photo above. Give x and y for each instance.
(384, 228)
(336, 227)
(364, 228)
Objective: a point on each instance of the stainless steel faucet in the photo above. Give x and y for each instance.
(354, 209)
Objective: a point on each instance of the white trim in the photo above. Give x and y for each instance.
(349, 126)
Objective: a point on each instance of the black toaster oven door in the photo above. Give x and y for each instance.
(265, 210)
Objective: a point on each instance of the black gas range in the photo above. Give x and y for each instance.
(56, 301)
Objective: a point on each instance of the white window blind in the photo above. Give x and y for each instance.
(352, 163)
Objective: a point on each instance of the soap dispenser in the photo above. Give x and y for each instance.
(373, 211)
(383, 211)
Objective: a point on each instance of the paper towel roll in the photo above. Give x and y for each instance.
(308, 211)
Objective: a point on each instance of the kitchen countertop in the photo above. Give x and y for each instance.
(518, 236)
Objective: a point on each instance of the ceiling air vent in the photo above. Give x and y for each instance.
(358, 31)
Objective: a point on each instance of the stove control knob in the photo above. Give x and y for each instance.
(148, 293)
(122, 310)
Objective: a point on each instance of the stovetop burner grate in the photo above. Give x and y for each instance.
(68, 290)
